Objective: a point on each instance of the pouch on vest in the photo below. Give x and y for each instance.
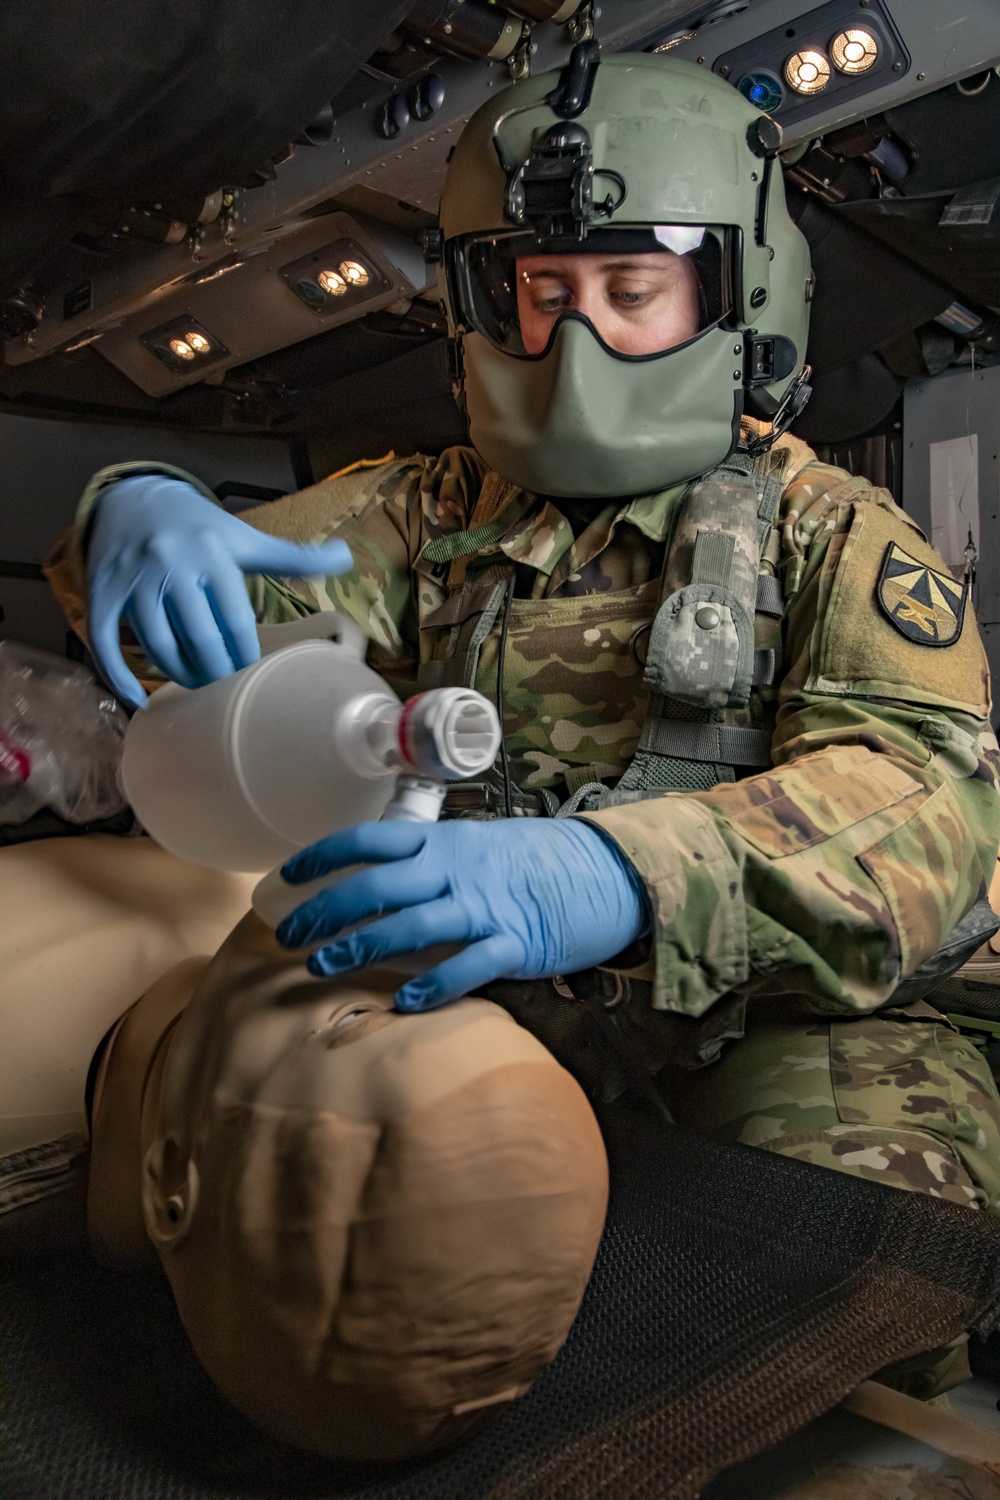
(701, 649)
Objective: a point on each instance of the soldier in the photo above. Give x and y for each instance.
(752, 696)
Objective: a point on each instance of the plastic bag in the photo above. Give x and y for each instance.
(61, 738)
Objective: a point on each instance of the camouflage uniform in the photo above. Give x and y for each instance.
(810, 889)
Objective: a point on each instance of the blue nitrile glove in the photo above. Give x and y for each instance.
(172, 564)
(531, 898)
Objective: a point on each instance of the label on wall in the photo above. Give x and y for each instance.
(955, 497)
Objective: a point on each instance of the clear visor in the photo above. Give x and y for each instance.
(644, 290)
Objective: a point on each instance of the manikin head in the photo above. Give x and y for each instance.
(377, 1227)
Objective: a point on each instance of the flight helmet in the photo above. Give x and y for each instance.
(613, 156)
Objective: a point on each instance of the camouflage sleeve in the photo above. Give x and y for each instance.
(841, 870)
(386, 512)
(384, 509)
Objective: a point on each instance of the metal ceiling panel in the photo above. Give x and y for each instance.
(253, 310)
(942, 40)
(409, 166)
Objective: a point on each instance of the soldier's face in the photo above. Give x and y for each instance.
(639, 304)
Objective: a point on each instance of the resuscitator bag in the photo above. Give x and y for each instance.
(61, 737)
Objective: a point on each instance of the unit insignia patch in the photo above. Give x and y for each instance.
(924, 605)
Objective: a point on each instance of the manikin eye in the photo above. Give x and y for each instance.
(350, 1025)
(346, 1019)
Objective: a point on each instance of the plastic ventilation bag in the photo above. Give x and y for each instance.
(61, 738)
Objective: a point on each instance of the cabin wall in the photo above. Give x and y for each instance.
(45, 465)
(951, 479)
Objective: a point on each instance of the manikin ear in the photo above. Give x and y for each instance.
(170, 1188)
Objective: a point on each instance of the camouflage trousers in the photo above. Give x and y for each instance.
(899, 1097)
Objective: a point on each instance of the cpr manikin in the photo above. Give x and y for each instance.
(377, 1227)
(88, 924)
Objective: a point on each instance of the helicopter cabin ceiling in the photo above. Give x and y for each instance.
(210, 223)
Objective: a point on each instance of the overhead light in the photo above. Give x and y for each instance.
(808, 71)
(763, 90)
(670, 42)
(335, 278)
(88, 338)
(223, 270)
(854, 50)
(354, 272)
(183, 344)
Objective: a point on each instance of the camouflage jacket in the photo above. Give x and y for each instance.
(830, 876)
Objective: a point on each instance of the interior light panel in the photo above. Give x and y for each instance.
(854, 50)
(184, 345)
(336, 278)
(763, 89)
(796, 69)
(808, 71)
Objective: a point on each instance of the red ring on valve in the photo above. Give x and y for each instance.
(404, 730)
(14, 761)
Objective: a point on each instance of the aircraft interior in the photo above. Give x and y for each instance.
(221, 257)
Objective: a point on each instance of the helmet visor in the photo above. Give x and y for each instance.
(644, 290)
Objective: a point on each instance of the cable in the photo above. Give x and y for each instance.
(501, 659)
(971, 550)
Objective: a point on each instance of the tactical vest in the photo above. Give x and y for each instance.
(710, 673)
(712, 646)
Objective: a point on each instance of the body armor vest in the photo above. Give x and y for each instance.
(713, 660)
(711, 650)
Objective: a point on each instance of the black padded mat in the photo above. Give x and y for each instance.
(736, 1295)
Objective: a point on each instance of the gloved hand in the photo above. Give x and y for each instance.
(531, 898)
(172, 564)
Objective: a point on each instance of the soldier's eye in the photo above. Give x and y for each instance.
(551, 300)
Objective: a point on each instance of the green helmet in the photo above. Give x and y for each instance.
(625, 154)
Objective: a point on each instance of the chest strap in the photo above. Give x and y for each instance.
(731, 744)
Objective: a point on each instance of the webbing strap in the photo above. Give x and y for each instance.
(713, 557)
(590, 794)
(462, 666)
(729, 744)
(764, 662)
(769, 597)
(40, 1171)
(477, 538)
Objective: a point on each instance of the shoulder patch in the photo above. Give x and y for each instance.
(879, 587)
(925, 605)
